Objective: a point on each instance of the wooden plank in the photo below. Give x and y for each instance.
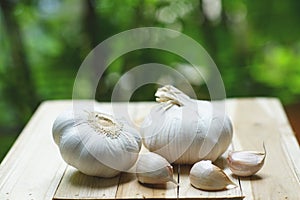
(263, 120)
(187, 191)
(76, 185)
(33, 167)
(130, 188)
(290, 144)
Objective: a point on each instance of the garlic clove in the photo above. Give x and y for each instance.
(246, 163)
(152, 168)
(206, 176)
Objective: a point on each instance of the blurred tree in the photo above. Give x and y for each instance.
(255, 44)
(19, 89)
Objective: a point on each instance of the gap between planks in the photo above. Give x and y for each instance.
(75, 185)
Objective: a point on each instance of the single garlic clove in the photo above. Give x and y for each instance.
(152, 168)
(246, 163)
(206, 176)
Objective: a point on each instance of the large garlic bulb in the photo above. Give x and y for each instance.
(96, 143)
(184, 130)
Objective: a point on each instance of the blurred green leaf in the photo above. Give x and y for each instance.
(255, 44)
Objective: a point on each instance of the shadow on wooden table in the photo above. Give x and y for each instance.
(130, 177)
(252, 178)
(221, 162)
(79, 179)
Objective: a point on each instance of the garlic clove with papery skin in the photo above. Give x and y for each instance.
(152, 168)
(206, 176)
(246, 163)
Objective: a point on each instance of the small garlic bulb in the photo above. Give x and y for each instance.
(95, 143)
(151, 168)
(246, 163)
(206, 176)
(184, 130)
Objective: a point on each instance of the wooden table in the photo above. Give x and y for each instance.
(34, 169)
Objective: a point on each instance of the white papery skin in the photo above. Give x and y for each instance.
(206, 176)
(246, 163)
(185, 131)
(152, 168)
(86, 144)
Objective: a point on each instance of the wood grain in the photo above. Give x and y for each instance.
(186, 190)
(130, 188)
(75, 185)
(263, 120)
(33, 168)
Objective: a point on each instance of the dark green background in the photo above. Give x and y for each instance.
(255, 44)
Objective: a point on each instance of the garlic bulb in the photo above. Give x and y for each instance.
(184, 130)
(246, 163)
(151, 168)
(206, 176)
(95, 143)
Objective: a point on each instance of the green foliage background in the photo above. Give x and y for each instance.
(255, 44)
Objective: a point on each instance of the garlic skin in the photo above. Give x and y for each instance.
(206, 176)
(151, 168)
(246, 163)
(95, 143)
(184, 130)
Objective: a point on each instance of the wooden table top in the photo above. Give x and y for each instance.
(34, 169)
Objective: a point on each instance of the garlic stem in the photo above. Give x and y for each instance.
(104, 124)
(171, 96)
